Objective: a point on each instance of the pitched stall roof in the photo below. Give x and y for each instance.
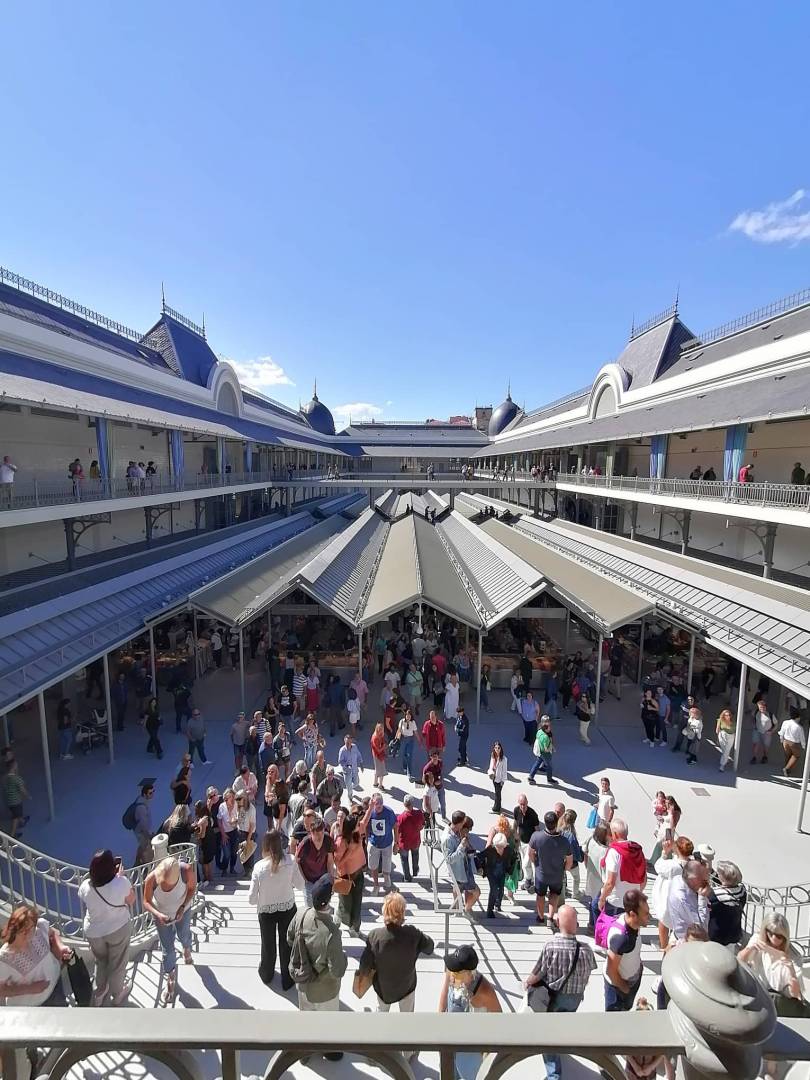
(604, 604)
(397, 582)
(340, 575)
(760, 622)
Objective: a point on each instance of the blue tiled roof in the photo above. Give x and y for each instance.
(193, 352)
(23, 305)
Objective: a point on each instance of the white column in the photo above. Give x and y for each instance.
(108, 703)
(803, 795)
(360, 651)
(641, 651)
(598, 681)
(152, 662)
(241, 670)
(740, 714)
(46, 755)
(478, 675)
(691, 669)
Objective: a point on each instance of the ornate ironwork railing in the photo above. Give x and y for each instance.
(55, 298)
(770, 311)
(757, 493)
(28, 876)
(792, 901)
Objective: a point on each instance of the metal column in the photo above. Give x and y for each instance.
(740, 712)
(598, 680)
(360, 652)
(108, 702)
(241, 670)
(803, 796)
(641, 651)
(46, 756)
(478, 677)
(691, 669)
(152, 661)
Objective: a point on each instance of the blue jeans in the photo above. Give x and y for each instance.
(462, 749)
(484, 696)
(442, 800)
(167, 935)
(616, 1000)
(562, 1003)
(309, 756)
(230, 851)
(199, 746)
(65, 741)
(407, 757)
(553, 712)
(541, 761)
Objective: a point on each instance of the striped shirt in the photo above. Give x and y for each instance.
(555, 961)
(299, 684)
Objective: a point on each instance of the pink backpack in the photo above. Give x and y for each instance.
(604, 924)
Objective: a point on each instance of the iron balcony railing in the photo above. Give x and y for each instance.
(757, 493)
(28, 876)
(792, 901)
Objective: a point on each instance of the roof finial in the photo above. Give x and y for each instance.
(677, 297)
(632, 326)
(315, 390)
(509, 387)
(203, 326)
(162, 298)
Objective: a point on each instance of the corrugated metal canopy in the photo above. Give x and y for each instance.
(440, 583)
(603, 603)
(340, 575)
(397, 582)
(247, 592)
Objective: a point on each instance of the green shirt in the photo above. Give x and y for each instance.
(542, 743)
(13, 789)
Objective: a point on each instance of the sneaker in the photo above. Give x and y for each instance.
(68, 757)
(646, 742)
(753, 761)
(532, 781)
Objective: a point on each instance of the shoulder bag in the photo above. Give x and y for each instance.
(541, 998)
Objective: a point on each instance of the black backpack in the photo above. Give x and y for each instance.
(128, 819)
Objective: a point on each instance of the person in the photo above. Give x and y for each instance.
(178, 827)
(31, 959)
(463, 733)
(282, 748)
(64, 728)
(497, 861)
(107, 897)
(246, 830)
(792, 737)
(667, 827)
(486, 686)
(764, 725)
(330, 788)
(726, 729)
(182, 705)
(543, 750)
(498, 774)
(529, 713)
(564, 966)
(434, 735)
(206, 835)
(391, 953)
(168, 892)
(315, 856)
(15, 793)
(119, 696)
(649, 717)
(320, 941)
(143, 821)
(7, 471)
(625, 869)
(687, 902)
(594, 851)
(516, 689)
(409, 828)
(464, 988)
(350, 864)
(746, 474)
(727, 897)
(383, 838)
(768, 956)
(623, 942)
(312, 693)
(239, 734)
(431, 806)
(335, 699)
(272, 892)
(216, 646)
(435, 768)
(585, 711)
(181, 784)
(526, 821)
(195, 734)
(408, 735)
(550, 854)
(605, 804)
(568, 829)
(246, 783)
(457, 851)
(152, 722)
(668, 868)
(350, 763)
(228, 817)
(379, 753)
(310, 739)
(276, 798)
(693, 733)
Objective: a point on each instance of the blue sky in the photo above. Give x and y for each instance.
(411, 202)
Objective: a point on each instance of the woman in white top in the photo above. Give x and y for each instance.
(594, 849)
(272, 885)
(408, 735)
(108, 896)
(167, 895)
(31, 960)
(515, 683)
(768, 956)
(227, 820)
(498, 774)
(667, 871)
(246, 827)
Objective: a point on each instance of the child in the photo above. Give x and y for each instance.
(606, 804)
(659, 809)
(640, 1066)
(430, 802)
(569, 831)
(497, 860)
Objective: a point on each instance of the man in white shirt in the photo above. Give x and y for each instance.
(688, 899)
(392, 678)
(451, 695)
(792, 737)
(625, 868)
(623, 967)
(764, 727)
(7, 470)
(418, 649)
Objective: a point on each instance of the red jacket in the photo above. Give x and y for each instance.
(434, 735)
(632, 863)
(410, 824)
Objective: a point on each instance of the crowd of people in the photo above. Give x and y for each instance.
(306, 818)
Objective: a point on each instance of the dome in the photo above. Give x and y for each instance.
(318, 416)
(503, 416)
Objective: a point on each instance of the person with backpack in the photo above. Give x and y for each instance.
(137, 818)
(619, 935)
(317, 960)
(569, 831)
(625, 869)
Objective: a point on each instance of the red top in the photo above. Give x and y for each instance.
(436, 769)
(440, 663)
(378, 747)
(410, 824)
(434, 735)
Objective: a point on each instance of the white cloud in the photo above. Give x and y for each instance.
(777, 223)
(356, 410)
(261, 373)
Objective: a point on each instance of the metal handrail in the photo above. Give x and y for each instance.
(29, 876)
(792, 901)
(743, 322)
(754, 494)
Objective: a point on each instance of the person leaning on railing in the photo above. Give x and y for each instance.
(31, 959)
(108, 896)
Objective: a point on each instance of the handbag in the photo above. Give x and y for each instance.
(342, 886)
(81, 984)
(795, 1008)
(541, 998)
(593, 818)
(361, 982)
(246, 850)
